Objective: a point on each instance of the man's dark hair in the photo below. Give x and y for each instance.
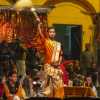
(49, 28)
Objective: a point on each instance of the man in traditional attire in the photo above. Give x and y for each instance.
(52, 63)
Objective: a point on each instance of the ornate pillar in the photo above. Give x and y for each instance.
(97, 42)
(97, 36)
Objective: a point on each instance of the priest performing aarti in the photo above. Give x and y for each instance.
(53, 56)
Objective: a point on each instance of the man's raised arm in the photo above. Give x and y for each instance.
(39, 23)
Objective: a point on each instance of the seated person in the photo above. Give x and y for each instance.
(89, 83)
(76, 67)
(13, 88)
(78, 80)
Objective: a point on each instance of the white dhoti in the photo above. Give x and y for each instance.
(55, 82)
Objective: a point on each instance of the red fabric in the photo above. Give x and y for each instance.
(1, 89)
(65, 74)
(67, 62)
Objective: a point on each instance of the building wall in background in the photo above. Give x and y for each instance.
(70, 13)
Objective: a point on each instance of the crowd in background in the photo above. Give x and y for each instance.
(22, 69)
(18, 63)
(21, 66)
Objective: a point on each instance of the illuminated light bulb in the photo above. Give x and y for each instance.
(33, 9)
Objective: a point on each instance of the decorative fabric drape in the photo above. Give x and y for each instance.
(21, 25)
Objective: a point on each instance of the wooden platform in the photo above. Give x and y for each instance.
(67, 98)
